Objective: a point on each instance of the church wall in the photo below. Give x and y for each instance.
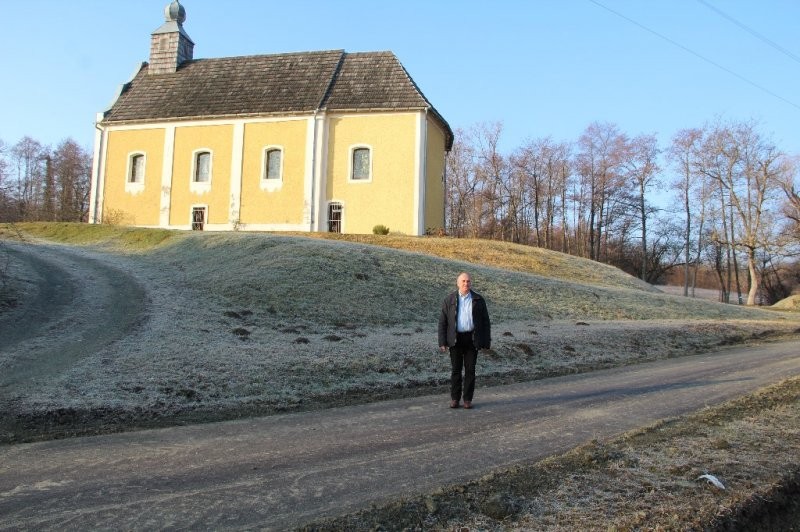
(388, 197)
(435, 168)
(270, 201)
(215, 197)
(238, 196)
(127, 203)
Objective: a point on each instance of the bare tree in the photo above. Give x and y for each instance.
(777, 277)
(5, 188)
(536, 169)
(665, 246)
(597, 163)
(748, 171)
(498, 208)
(460, 188)
(791, 188)
(701, 196)
(715, 252)
(526, 173)
(683, 154)
(71, 180)
(557, 174)
(596, 202)
(28, 157)
(638, 163)
(563, 180)
(719, 159)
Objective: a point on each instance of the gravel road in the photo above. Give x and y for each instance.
(282, 471)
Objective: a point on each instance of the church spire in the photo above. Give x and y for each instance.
(170, 45)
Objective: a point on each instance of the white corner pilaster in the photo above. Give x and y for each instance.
(166, 176)
(236, 174)
(421, 167)
(309, 173)
(319, 185)
(98, 171)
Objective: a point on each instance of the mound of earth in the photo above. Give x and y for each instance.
(790, 303)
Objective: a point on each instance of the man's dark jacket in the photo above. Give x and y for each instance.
(448, 320)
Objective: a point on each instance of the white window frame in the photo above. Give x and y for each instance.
(350, 168)
(135, 187)
(270, 184)
(200, 187)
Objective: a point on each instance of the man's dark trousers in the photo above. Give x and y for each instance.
(463, 355)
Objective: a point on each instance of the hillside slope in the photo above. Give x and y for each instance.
(389, 280)
(347, 282)
(242, 324)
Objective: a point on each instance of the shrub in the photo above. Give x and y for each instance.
(380, 229)
(113, 217)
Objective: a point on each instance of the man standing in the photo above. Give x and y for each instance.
(463, 327)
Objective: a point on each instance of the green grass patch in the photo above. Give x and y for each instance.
(118, 238)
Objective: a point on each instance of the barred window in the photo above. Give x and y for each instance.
(198, 218)
(335, 217)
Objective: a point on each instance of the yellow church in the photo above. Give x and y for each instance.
(308, 141)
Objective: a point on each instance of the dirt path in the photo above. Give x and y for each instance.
(75, 298)
(283, 471)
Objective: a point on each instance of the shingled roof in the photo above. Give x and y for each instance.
(270, 85)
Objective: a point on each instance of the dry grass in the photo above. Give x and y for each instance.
(790, 303)
(503, 255)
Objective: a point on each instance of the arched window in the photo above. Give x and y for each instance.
(273, 163)
(361, 164)
(136, 168)
(202, 167)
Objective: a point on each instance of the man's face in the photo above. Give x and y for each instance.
(464, 283)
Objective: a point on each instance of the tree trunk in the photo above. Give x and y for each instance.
(754, 282)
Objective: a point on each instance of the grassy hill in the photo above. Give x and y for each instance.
(389, 280)
(234, 321)
(243, 324)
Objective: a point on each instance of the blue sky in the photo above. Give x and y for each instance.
(542, 68)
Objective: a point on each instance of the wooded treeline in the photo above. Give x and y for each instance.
(722, 198)
(40, 183)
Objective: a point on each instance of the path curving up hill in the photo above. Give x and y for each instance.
(66, 305)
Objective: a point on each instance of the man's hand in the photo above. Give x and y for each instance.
(443, 348)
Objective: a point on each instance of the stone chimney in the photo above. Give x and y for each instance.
(170, 45)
